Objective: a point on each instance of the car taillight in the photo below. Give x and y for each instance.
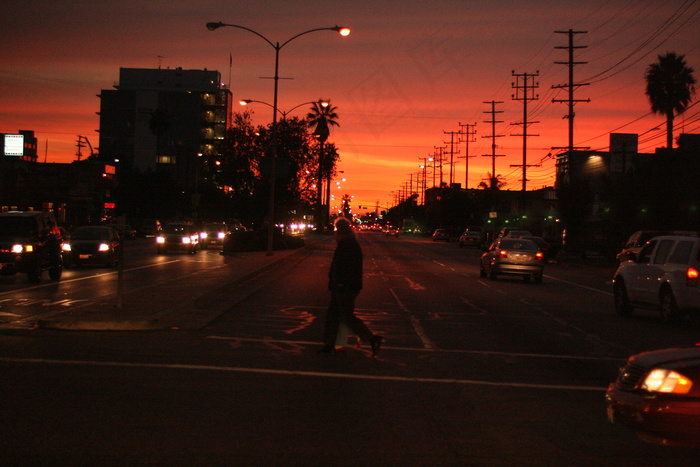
(502, 254)
(539, 255)
(691, 277)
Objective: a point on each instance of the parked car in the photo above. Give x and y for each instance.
(663, 276)
(178, 236)
(212, 234)
(470, 238)
(30, 243)
(639, 238)
(441, 235)
(514, 256)
(657, 396)
(92, 244)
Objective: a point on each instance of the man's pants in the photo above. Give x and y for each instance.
(342, 310)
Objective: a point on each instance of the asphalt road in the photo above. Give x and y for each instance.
(473, 372)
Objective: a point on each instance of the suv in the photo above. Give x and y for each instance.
(663, 275)
(30, 242)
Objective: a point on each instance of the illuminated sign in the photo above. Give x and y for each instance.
(14, 145)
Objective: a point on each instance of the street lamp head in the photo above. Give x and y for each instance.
(342, 30)
(214, 26)
(245, 101)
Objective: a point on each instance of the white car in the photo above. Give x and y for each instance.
(663, 276)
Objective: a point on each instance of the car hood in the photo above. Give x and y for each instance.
(669, 358)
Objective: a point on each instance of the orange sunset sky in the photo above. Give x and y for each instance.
(410, 71)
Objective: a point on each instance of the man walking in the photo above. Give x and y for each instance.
(345, 283)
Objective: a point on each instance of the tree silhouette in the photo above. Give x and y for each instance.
(670, 86)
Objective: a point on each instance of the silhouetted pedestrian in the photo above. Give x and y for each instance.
(345, 283)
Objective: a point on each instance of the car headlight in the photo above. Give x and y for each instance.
(221, 235)
(160, 239)
(666, 381)
(186, 240)
(203, 235)
(65, 247)
(103, 247)
(18, 249)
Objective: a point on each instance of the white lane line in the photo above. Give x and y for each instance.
(417, 327)
(93, 276)
(578, 285)
(266, 371)
(453, 351)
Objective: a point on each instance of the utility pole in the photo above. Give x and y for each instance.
(572, 85)
(439, 157)
(468, 131)
(493, 136)
(524, 92)
(452, 152)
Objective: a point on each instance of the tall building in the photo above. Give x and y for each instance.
(171, 120)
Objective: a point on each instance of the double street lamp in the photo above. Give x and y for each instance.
(284, 113)
(343, 31)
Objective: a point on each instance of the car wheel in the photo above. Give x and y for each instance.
(56, 271)
(482, 271)
(622, 301)
(668, 307)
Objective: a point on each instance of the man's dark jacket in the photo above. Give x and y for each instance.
(345, 274)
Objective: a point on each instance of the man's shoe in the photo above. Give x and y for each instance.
(376, 343)
(327, 349)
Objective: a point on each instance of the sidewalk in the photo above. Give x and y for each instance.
(159, 306)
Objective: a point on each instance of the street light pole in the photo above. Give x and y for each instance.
(343, 31)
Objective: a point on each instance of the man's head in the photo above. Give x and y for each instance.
(343, 226)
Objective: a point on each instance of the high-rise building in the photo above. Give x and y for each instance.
(170, 120)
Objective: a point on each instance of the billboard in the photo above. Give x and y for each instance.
(14, 145)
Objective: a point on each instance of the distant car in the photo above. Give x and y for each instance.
(178, 236)
(391, 231)
(664, 276)
(92, 244)
(542, 245)
(212, 234)
(441, 235)
(470, 238)
(127, 232)
(30, 243)
(514, 256)
(657, 396)
(516, 233)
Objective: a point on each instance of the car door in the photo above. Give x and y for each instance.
(636, 280)
(653, 271)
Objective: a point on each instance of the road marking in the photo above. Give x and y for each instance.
(317, 374)
(417, 327)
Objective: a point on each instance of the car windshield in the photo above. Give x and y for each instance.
(90, 233)
(176, 229)
(215, 227)
(17, 227)
(517, 244)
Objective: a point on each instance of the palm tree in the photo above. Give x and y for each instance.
(322, 116)
(670, 86)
